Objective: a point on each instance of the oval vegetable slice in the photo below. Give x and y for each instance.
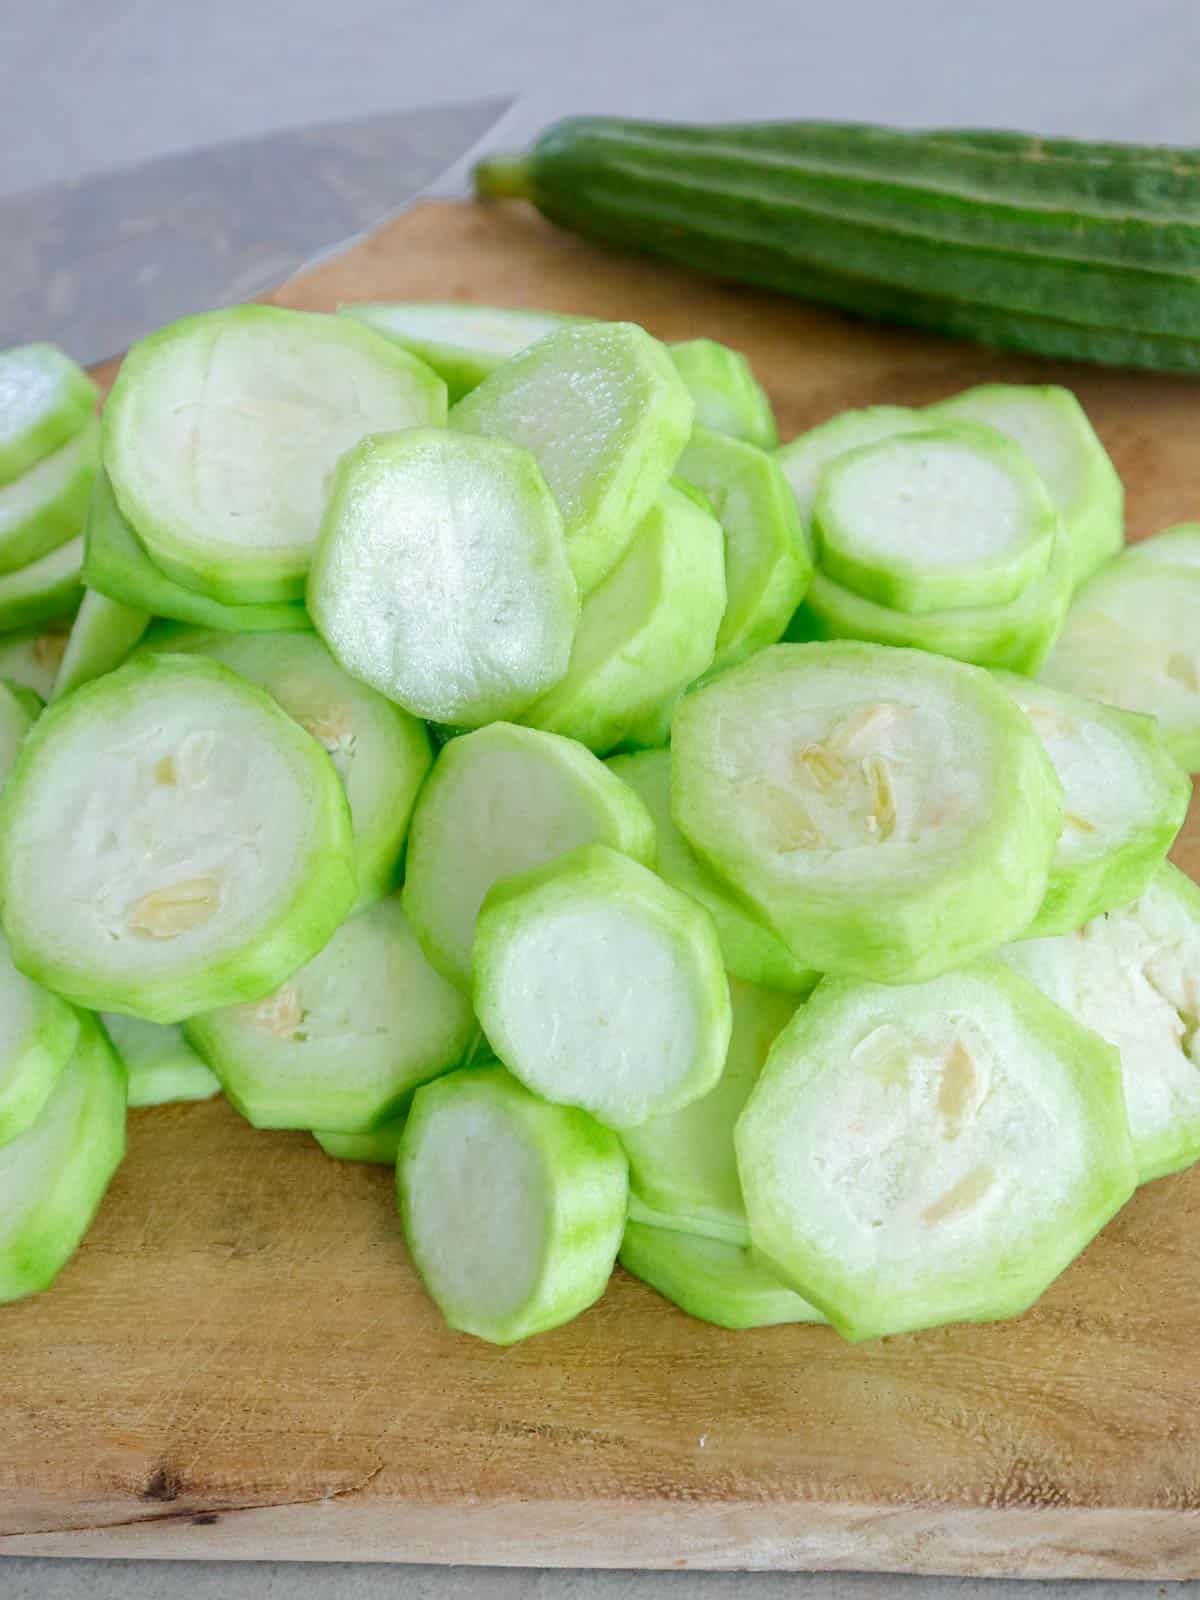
(32, 657)
(171, 840)
(606, 415)
(749, 948)
(441, 577)
(102, 635)
(48, 588)
(45, 399)
(513, 1209)
(47, 505)
(160, 1064)
(889, 813)
(1053, 430)
(600, 986)
(343, 1042)
(500, 801)
(380, 1147)
(929, 1154)
(53, 1177)
(380, 753)
(935, 520)
(221, 430)
(644, 634)
(710, 1279)
(767, 565)
(805, 459)
(728, 397)
(1124, 800)
(38, 1034)
(1133, 977)
(463, 343)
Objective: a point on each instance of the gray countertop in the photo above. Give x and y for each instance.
(86, 84)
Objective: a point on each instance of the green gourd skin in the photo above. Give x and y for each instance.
(1049, 246)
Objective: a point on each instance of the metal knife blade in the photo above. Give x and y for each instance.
(94, 264)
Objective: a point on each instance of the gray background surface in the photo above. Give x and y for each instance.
(86, 84)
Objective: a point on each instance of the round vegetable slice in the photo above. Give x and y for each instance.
(171, 840)
(221, 430)
(749, 948)
(1124, 800)
(48, 588)
(116, 564)
(32, 657)
(1133, 977)
(600, 986)
(379, 1148)
(102, 635)
(45, 399)
(513, 1209)
(767, 565)
(47, 505)
(344, 1041)
(937, 520)
(38, 1034)
(1053, 430)
(381, 754)
(709, 1279)
(930, 1154)
(441, 577)
(500, 801)
(728, 397)
(1130, 639)
(682, 1165)
(806, 458)
(53, 1177)
(606, 414)
(161, 1065)
(463, 343)
(1173, 547)
(889, 813)
(644, 634)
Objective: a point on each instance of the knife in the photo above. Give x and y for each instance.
(94, 264)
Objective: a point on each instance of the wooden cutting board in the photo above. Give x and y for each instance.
(240, 1362)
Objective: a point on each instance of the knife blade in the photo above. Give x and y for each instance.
(94, 264)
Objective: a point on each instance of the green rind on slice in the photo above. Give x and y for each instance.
(38, 1034)
(221, 430)
(44, 590)
(47, 505)
(115, 563)
(645, 634)
(53, 1176)
(17, 716)
(32, 657)
(463, 343)
(441, 577)
(102, 635)
(931, 1154)
(1133, 977)
(343, 1042)
(749, 948)
(1124, 800)
(1053, 429)
(379, 1148)
(513, 1209)
(728, 397)
(767, 564)
(606, 415)
(600, 986)
(205, 832)
(889, 813)
(710, 1279)
(498, 802)
(161, 1065)
(805, 459)
(45, 399)
(381, 754)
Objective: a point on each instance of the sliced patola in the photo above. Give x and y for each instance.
(889, 813)
(600, 986)
(222, 429)
(806, 458)
(1173, 547)
(378, 1148)
(463, 343)
(16, 719)
(1124, 800)
(32, 657)
(47, 505)
(498, 802)
(38, 1033)
(441, 577)
(710, 1279)
(47, 588)
(161, 1065)
(930, 1154)
(171, 840)
(1133, 977)
(45, 399)
(728, 397)
(606, 414)
(102, 635)
(644, 634)
(513, 1209)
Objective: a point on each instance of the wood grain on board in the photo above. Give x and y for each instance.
(240, 1362)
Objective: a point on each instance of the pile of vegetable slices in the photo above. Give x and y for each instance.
(479, 743)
